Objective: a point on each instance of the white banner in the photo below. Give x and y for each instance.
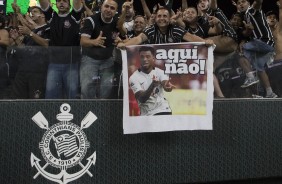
(167, 87)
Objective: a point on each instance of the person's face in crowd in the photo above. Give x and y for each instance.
(139, 24)
(129, 11)
(63, 6)
(242, 5)
(35, 14)
(147, 60)
(162, 18)
(190, 15)
(236, 21)
(108, 9)
(203, 4)
(271, 20)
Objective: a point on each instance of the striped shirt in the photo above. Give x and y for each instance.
(261, 28)
(174, 34)
(202, 30)
(227, 28)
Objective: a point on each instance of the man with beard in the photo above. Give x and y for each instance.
(97, 41)
(64, 51)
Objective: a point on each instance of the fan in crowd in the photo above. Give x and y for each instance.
(80, 56)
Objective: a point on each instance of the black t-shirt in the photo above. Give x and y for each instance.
(202, 30)
(64, 36)
(33, 57)
(226, 26)
(92, 27)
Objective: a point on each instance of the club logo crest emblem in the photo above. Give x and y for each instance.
(63, 146)
(67, 24)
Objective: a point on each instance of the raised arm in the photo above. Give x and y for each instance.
(44, 4)
(77, 4)
(146, 10)
(120, 23)
(169, 3)
(24, 30)
(257, 4)
(184, 5)
(213, 4)
(87, 10)
(216, 26)
(143, 96)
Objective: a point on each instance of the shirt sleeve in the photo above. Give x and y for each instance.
(178, 32)
(76, 14)
(149, 32)
(134, 84)
(88, 27)
(162, 76)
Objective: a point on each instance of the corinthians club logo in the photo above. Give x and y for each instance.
(63, 146)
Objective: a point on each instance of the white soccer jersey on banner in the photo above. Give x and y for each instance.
(167, 87)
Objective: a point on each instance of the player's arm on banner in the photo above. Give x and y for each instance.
(142, 95)
(167, 85)
(134, 41)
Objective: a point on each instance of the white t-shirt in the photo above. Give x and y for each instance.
(128, 25)
(156, 103)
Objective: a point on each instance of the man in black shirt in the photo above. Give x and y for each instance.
(30, 78)
(97, 41)
(64, 52)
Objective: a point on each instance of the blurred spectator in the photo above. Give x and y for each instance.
(4, 70)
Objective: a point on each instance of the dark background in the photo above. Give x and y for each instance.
(245, 145)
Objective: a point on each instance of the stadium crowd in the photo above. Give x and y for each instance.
(74, 52)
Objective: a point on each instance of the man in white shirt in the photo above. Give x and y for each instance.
(149, 83)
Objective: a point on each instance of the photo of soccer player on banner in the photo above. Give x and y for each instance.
(167, 87)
